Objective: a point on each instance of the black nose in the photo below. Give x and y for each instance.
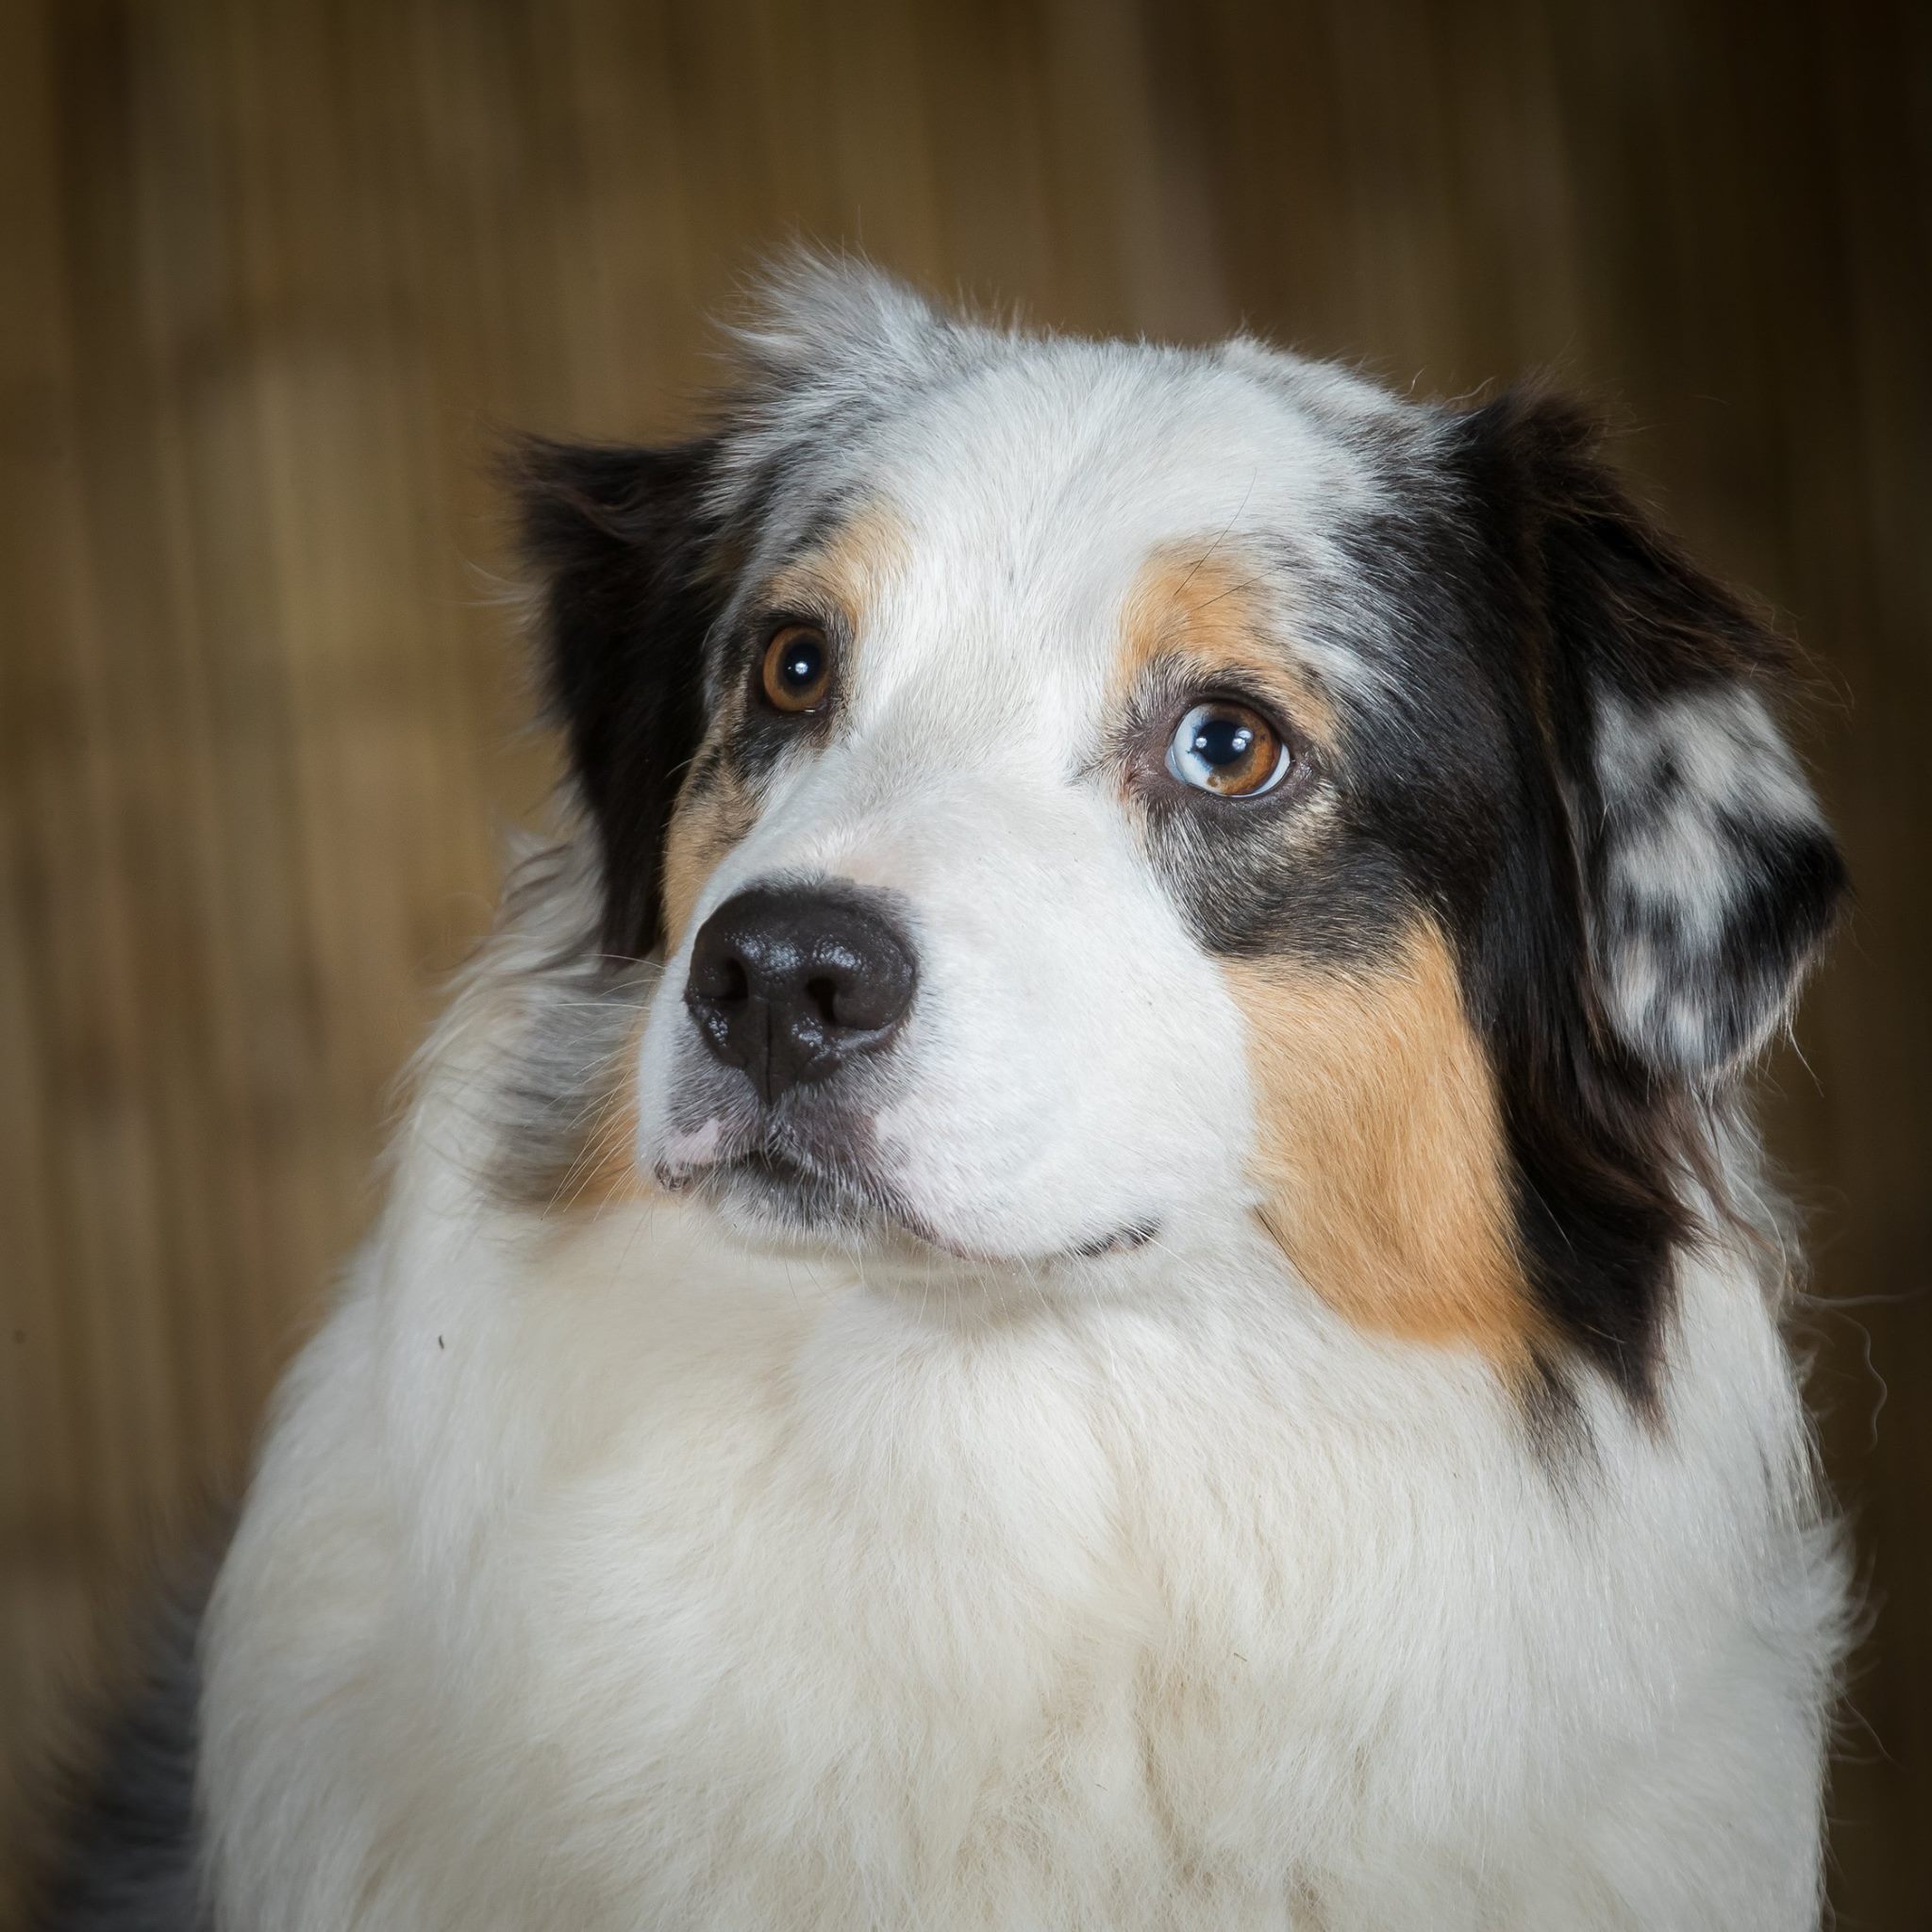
(790, 982)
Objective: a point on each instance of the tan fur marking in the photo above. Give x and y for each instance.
(606, 1168)
(849, 569)
(1380, 1156)
(1216, 609)
(703, 830)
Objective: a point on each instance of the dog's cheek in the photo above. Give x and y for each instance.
(1077, 1066)
(1378, 1164)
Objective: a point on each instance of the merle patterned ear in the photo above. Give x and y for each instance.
(1708, 875)
(1713, 876)
(622, 543)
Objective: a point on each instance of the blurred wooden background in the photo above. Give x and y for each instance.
(273, 275)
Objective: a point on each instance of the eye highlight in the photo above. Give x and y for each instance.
(796, 674)
(1228, 749)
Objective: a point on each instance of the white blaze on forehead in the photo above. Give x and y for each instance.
(1048, 481)
(1025, 501)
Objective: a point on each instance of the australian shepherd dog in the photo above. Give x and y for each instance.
(1092, 1257)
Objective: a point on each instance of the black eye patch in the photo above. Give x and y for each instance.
(1293, 868)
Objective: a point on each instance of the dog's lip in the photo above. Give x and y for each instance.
(690, 1151)
(777, 1155)
(771, 1150)
(1120, 1241)
(718, 1145)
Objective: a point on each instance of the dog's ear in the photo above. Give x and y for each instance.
(1664, 879)
(623, 544)
(1706, 876)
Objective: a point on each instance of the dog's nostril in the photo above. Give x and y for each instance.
(823, 994)
(719, 977)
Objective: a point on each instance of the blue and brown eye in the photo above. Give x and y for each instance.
(1228, 749)
(796, 674)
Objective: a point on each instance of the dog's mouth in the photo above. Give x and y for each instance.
(790, 1182)
(831, 1185)
(806, 1193)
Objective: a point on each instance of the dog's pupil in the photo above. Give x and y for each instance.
(802, 663)
(1223, 741)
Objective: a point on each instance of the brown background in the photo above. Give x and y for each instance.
(272, 276)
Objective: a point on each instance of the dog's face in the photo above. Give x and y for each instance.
(1096, 803)
(1016, 722)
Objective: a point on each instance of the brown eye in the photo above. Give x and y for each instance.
(797, 671)
(1227, 749)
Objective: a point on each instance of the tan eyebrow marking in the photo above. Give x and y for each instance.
(1380, 1157)
(1217, 609)
(850, 567)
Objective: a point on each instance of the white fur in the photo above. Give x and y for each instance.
(600, 1577)
(623, 1570)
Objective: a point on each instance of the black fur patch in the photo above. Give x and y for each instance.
(1454, 781)
(1507, 600)
(641, 628)
(1642, 638)
(129, 1854)
(632, 588)
(1574, 603)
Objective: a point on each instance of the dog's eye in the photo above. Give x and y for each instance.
(1227, 748)
(797, 671)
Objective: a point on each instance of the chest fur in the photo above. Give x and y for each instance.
(753, 1597)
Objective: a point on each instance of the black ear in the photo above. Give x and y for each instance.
(624, 552)
(1707, 877)
(1663, 874)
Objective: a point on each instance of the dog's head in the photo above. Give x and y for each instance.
(1095, 798)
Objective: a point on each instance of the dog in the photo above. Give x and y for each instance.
(1092, 1258)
